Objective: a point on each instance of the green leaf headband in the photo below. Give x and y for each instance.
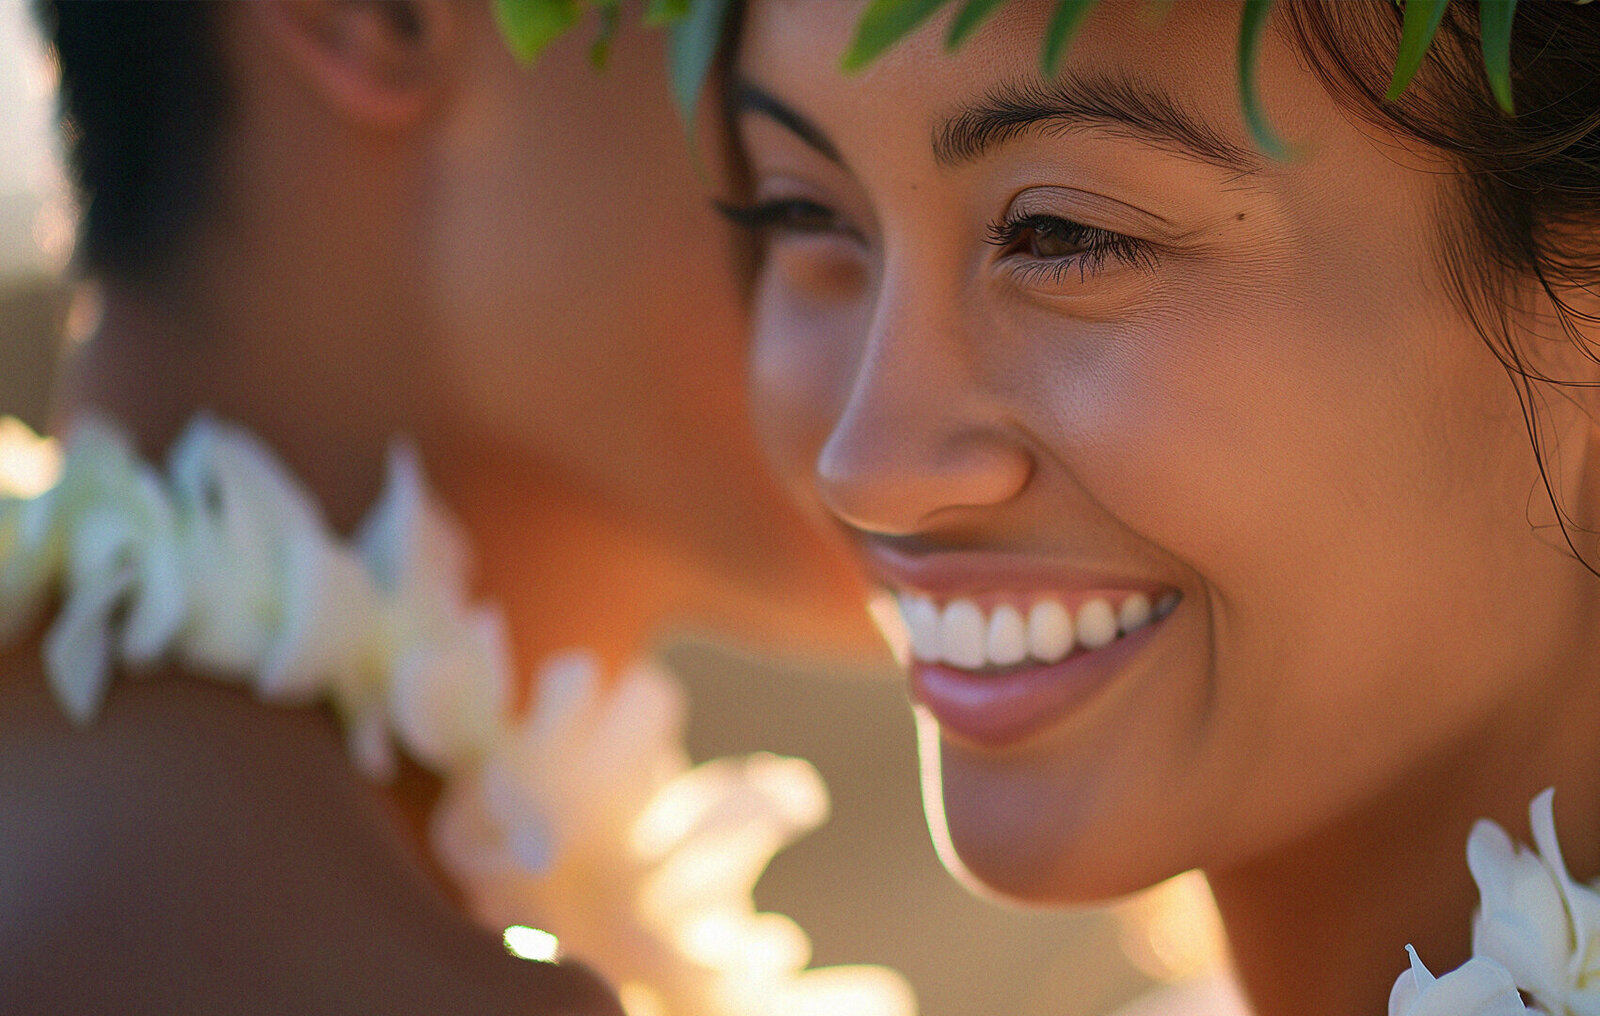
(697, 26)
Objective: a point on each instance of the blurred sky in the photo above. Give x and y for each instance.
(35, 224)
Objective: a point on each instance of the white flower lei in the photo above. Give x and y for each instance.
(1536, 934)
(582, 817)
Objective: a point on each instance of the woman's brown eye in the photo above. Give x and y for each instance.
(1047, 243)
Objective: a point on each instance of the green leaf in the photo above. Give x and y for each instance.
(1252, 26)
(1494, 32)
(531, 25)
(666, 12)
(600, 49)
(967, 20)
(885, 23)
(1416, 35)
(1058, 33)
(695, 39)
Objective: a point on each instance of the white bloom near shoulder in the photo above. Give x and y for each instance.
(590, 821)
(278, 603)
(113, 531)
(1534, 919)
(450, 686)
(1481, 987)
(582, 817)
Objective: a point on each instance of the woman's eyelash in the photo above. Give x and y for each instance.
(795, 215)
(1093, 246)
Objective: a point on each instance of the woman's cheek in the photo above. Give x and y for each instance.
(803, 362)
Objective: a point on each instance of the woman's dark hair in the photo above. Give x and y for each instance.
(143, 95)
(1527, 195)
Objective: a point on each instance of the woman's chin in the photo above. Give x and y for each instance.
(1027, 840)
(1049, 871)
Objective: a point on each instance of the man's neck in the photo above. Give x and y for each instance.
(567, 570)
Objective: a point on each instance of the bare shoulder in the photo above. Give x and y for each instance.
(196, 851)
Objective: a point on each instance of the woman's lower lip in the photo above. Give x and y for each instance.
(999, 710)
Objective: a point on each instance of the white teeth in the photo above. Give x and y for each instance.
(1049, 631)
(962, 634)
(1134, 613)
(1096, 624)
(1008, 636)
(922, 618)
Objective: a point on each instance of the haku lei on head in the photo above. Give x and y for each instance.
(697, 28)
(581, 818)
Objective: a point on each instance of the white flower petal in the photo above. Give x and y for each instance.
(1409, 986)
(447, 700)
(159, 608)
(1481, 987)
(223, 470)
(326, 625)
(246, 518)
(1522, 921)
(468, 840)
(77, 649)
(231, 610)
(1490, 857)
(644, 713)
(533, 843)
(1512, 940)
(98, 457)
(721, 823)
(409, 541)
(39, 522)
(1541, 816)
(568, 692)
(635, 744)
(102, 541)
(847, 991)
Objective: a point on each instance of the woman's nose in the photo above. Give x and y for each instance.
(919, 442)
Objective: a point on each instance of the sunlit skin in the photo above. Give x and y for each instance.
(1249, 383)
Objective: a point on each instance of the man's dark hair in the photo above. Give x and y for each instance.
(143, 94)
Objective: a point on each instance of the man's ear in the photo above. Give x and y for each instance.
(379, 62)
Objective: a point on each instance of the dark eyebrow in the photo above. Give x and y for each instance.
(750, 98)
(1073, 102)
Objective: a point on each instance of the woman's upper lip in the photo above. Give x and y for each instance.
(953, 572)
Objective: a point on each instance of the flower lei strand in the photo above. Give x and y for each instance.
(1535, 936)
(582, 817)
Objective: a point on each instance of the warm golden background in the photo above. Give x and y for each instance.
(868, 887)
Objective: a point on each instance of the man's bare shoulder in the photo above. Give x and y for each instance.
(196, 851)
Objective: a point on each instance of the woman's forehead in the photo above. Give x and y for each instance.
(1178, 70)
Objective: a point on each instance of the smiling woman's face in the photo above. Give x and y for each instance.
(1066, 355)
